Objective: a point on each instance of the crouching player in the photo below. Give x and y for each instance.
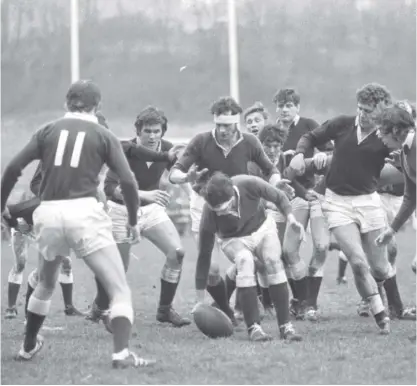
(248, 237)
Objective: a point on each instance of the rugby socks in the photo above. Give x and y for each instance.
(314, 284)
(248, 298)
(258, 289)
(301, 289)
(266, 298)
(12, 292)
(293, 287)
(28, 294)
(393, 295)
(377, 307)
(218, 293)
(121, 327)
(102, 300)
(168, 291)
(280, 298)
(35, 316)
(66, 282)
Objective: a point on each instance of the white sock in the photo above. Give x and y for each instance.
(119, 356)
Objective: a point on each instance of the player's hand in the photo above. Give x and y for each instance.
(176, 151)
(394, 158)
(320, 160)
(297, 164)
(159, 197)
(312, 195)
(385, 237)
(289, 152)
(195, 175)
(296, 226)
(133, 233)
(286, 188)
(200, 295)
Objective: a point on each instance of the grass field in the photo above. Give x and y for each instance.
(341, 349)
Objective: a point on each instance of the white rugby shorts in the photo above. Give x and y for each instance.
(313, 206)
(364, 210)
(391, 205)
(148, 216)
(79, 224)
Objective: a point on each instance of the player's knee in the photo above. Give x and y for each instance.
(359, 266)
(214, 277)
(382, 272)
(15, 277)
(245, 270)
(321, 248)
(66, 266)
(175, 257)
(33, 278)
(122, 309)
(392, 252)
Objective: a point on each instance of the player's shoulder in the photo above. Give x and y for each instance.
(342, 120)
(309, 122)
(249, 137)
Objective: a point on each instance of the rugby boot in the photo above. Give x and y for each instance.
(70, 310)
(363, 309)
(341, 280)
(27, 356)
(131, 360)
(167, 314)
(312, 314)
(408, 313)
(11, 313)
(384, 326)
(288, 333)
(257, 334)
(95, 314)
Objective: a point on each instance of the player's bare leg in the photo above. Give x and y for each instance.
(320, 236)
(166, 238)
(350, 241)
(385, 274)
(342, 265)
(110, 272)
(19, 244)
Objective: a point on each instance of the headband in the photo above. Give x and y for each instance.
(226, 119)
(220, 207)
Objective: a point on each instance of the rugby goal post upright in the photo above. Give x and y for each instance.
(233, 51)
(75, 41)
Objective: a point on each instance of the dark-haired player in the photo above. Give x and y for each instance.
(153, 221)
(248, 237)
(72, 151)
(225, 149)
(352, 206)
(306, 286)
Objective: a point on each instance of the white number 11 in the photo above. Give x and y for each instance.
(76, 153)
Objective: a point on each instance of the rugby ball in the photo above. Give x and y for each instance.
(213, 322)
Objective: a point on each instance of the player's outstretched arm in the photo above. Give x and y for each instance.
(15, 167)
(117, 162)
(143, 153)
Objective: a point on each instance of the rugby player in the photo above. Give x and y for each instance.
(72, 151)
(308, 283)
(154, 223)
(255, 117)
(248, 237)
(352, 205)
(225, 149)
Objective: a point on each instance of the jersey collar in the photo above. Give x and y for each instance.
(83, 116)
(227, 151)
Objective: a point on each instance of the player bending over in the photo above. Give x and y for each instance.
(248, 237)
(153, 221)
(225, 149)
(72, 151)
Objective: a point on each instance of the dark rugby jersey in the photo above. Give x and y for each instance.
(250, 190)
(72, 151)
(296, 130)
(356, 167)
(147, 177)
(408, 164)
(204, 151)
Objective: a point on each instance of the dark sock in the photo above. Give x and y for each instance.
(121, 327)
(230, 287)
(280, 298)
(293, 287)
(314, 284)
(33, 325)
(67, 293)
(168, 291)
(28, 294)
(334, 245)
(248, 299)
(301, 288)
(102, 300)
(342, 267)
(237, 304)
(218, 293)
(266, 298)
(393, 294)
(13, 291)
